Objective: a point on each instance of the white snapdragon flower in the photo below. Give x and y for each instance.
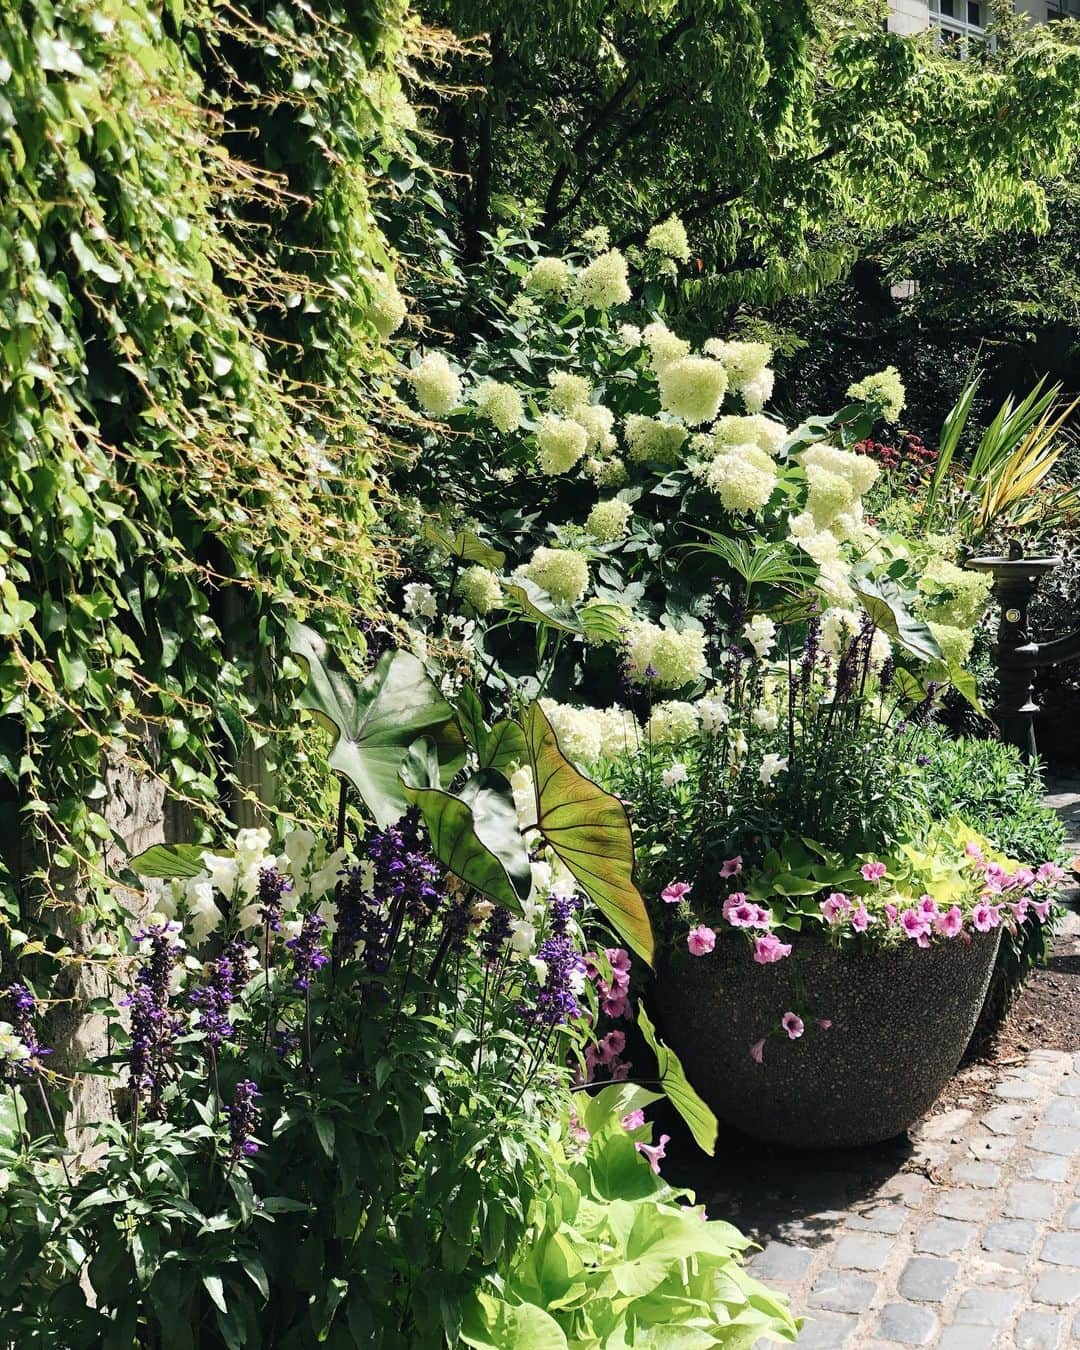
(223, 872)
(12, 1048)
(203, 912)
(771, 765)
(420, 601)
(760, 632)
(298, 847)
(765, 719)
(522, 937)
(715, 715)
(677, 773)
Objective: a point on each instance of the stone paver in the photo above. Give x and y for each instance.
(945, 1240)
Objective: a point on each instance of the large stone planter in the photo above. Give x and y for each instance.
(901, 1021)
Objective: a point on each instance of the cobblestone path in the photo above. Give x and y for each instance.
(966, 1237)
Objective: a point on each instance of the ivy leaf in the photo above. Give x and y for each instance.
(589, 831)
(474, 834)
(169, 861)
(884, 602)
(676, 1085)
(377, 720)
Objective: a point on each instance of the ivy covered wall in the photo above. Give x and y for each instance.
(193, 294)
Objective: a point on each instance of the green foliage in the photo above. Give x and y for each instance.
(769, 130)
(615, 1255)
(174, 484)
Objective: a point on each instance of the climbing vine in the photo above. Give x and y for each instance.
(193, 295)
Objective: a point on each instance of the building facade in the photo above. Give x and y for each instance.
(965, 20)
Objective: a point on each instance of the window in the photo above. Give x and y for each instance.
(1063, 9)
(961, 23)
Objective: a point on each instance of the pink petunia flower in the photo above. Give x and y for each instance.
(1042, 909)
(618, 958)
(873, 871)
(654, 1152)
(1021, 879)
(950, 923)
(860, 918)
(757, 1051)
(973, 851)
(793, 1025)
(768, 948)
(740, 912)
(578, 1130)
(701, 940)
(928, 905)
(915, 923)
(620, 1072)
(762, 917)
(731, 867)
(985, 917)
(835, 906)
(1049, 874)
(824, 1023)
(995, 878)
(675, 892)
(891, 913)
(1020, 909)
(633, 1120)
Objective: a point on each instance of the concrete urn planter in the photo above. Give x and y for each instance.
(900, 1022)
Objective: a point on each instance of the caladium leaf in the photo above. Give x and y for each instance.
(588, 829)
(884, 602)
(535, 604)
(377, 720)
(677, 1088)
(169, 861)
(474, 833)
(498, 747)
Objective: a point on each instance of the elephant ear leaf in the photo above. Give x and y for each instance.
(589, 831)
(376, 720)
(169, 861)
(474, 834)
(677, 1089)
(884, 603)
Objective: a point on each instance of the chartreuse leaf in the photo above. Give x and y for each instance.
(966, 686)
(377, 720)
(588, 829)
(474, 834)
(169, 860)
(489, 1323)
(676, 1085)
(884, 603)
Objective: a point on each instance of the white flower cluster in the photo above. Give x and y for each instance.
(743, 476)
(561, 442)
(549, 277)
(649, 438)
(663, 656)
(669, 239)
(500, 404)
(562, 572)
(673, 723)
(608, 521)
(436, 385)
(386, 308)
(603, 283)
(479, 589)
(587, 735)
(693, 388)
(230, 883)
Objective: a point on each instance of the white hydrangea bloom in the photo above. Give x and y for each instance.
(673, 722)
(828, 495)
(576, 730)
(760, 632)
(549, 277)
(595, 239)
(668, 658)
(630, 335)
(693, 388)
(859, 470)
(743, 361)
(733, 429)
(597, 422)
(386, 308)
(669, 238)
(562, 572)
(609, 472)
(619, 732)
(664, 347)
(603, 283)
(500, 404)
(561, 442)
(608, 521)
(436, 386)
(649, 438)
(479, 589)
(757, 392)
(568, 391)
(744, 477)
(834, 582)
(885, 388)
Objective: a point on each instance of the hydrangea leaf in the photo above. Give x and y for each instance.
(466, 547)
(589, 831)
(377, 719)
(169, 861)
(474, 833)
(699, 1119)
(884, 602)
